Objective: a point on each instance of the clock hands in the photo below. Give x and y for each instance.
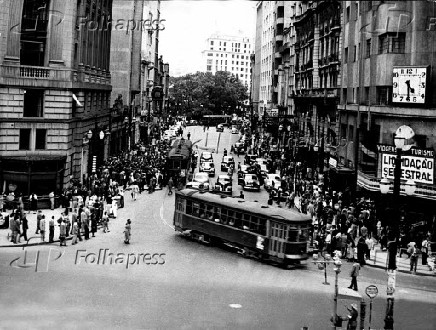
(409, 89)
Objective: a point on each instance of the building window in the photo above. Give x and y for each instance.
(211, 43)
(209, 61)
(365, 99)
(347, 18)
(355, 53)
(368, 48)
(382, 95)
(33, 103)
(392, 42)
(357, 9)
(24, 139)
(351, 133)
(346, 55)
(40, 139)
(209, 54)
(209, 68)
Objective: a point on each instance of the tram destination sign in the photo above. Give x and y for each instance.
(416, 164)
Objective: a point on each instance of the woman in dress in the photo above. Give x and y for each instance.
(127, 232)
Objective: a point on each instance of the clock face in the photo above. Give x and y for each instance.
(409, 85)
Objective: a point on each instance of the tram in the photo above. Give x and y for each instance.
(179, 156)
(253, 229)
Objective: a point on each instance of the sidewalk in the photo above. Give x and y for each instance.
(34, 239)
(379, 258)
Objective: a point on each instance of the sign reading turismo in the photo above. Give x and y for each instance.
(416, 164)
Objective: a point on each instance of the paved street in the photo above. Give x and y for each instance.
(196, 287)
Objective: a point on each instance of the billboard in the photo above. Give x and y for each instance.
(416, 164)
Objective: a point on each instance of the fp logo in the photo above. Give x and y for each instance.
(40, 260)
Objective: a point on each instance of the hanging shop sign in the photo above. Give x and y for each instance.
(416, 164)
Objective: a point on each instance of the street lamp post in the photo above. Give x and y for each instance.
(393, 233)
(85, 141)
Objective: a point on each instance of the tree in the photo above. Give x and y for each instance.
(203, 92)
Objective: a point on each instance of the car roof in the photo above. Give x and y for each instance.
(201, 174)
(204, 153)
(228, 157)
(207, 164)
(272, 175)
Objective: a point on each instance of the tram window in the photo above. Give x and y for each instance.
(303, 235)
(254, 224)
(188, 207)
(246, 221)
(238, 220)
(262, 227)
(196, 209)
(231, 218)
(217, 214)
(293, 235)
(210, 212)
(202, 210)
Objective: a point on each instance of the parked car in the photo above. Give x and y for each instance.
(250, 159)
(206, 156)
(200, 177)
(270, 179)
(239, 146)
(245, 169)
(4, 220)
(220, 128)
(263, 171)
(207, 167)
(235, 129)
(251, 182)
(226, 162)
(224, 184)
(195, 185)
(261, 161)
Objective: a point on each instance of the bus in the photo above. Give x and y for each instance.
(253, 229)
(179, 157)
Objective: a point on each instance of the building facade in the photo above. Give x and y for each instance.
(231, 54)
(387, 83)
(55, 87)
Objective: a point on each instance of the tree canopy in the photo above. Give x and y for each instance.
(205, 93)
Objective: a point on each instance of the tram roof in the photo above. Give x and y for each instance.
(247, 206)
(184, 142)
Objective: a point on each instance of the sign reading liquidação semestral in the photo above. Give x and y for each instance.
(416, 164)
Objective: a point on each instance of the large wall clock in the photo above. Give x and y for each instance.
(409, 84)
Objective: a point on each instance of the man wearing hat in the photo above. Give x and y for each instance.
(352, 317)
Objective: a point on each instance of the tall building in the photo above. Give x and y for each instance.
(231, 54)
(55, 89)
(388, 82)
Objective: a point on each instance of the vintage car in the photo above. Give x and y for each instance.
(226, 162)
(245, 169)
(224, 184)
(270, 179)
(207, 167)
(235, 129)
(200, 181)
(250, 159)
(251, 182)
(206, 156)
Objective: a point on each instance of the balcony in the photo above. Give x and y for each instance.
(25, 75)
(280, 20)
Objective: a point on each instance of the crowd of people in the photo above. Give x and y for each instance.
(341, 221)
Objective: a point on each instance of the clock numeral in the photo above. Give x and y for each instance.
(395, 74)
(395, 85)
(401, 98)
(408, 99)
(423, 96)
(422, 85)
(423, 74)
(395, 96)
(409, 71)
(414, 99)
